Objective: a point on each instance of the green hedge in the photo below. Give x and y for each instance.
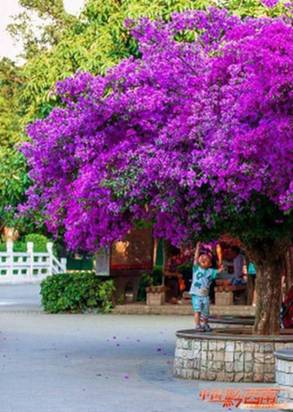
(39, 241)
(76, 292)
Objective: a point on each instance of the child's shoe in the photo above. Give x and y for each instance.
(199, 328)
(207, 328)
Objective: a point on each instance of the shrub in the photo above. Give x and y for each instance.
(76, 292)
(39, 241)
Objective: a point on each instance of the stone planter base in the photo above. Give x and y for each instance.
(155, 295)
(284, 374)
(228, 355)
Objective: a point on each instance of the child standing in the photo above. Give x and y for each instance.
(202, 276)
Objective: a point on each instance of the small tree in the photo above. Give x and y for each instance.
(194, 136)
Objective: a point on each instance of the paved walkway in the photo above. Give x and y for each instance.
(91, 363)
(17, 298)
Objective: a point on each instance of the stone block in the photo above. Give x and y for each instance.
(204, 345)
(196, 363)
(204, 355)
(258, 368)
(269, 347)
(239, 347)
(239, 377)
(229, 366)
(188, 364)
(203, 375)
(280, 345)
(281, 378)
(229, 356)
(187, 344)
(248, 377)
(190, 354)
(178, 352)
(239, 357)
(248, 356)
(269, 377)
(221, 346)
(219, 356)
(212, 346)
(203, 363)
(269, 368)
(229, 377)
(230, 346)
(211, 355)
(196, 346)
(239, 366)
(196, 374)
(211, 376)
(280, 365)
(221, 376)
(248, 366)
(248, 347)
(212, 366)
(220, 366)
(187, 373)
(260, 347)
(179, 343)
(269, 358)
(289, 379)
(258, 377)
(259, 357)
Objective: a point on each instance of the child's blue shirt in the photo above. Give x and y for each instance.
(201, 280)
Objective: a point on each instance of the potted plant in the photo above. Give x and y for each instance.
(9, 232)
(155, 291)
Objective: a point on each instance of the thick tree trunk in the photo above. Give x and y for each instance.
(269, 259)
(268, 290)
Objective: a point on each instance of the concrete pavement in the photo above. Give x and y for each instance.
(91, 363)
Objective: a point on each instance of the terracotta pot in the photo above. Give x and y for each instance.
(10, 233)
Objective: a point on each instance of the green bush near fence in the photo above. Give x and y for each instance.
(76, 293)
(39, 241)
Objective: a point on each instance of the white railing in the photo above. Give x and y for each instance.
(29, 266)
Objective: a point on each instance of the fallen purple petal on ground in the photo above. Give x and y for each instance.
(126, 377)
(159, 350)
(117, 344)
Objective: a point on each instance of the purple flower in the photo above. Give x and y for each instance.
(270, 3)
(189, 135)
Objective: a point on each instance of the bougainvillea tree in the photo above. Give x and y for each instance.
(194, 136)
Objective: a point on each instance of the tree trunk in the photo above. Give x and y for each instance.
(268, 257)
(268, 290)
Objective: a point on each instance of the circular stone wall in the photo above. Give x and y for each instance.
(284, 373)
(230, 355)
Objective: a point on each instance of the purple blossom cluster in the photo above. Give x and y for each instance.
(270, 3)
(177, 137)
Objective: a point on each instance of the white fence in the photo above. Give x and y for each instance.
(29, 266)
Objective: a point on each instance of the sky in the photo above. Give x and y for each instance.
(9, 8)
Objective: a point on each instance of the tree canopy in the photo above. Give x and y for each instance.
(194, 136)
(57, 44)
